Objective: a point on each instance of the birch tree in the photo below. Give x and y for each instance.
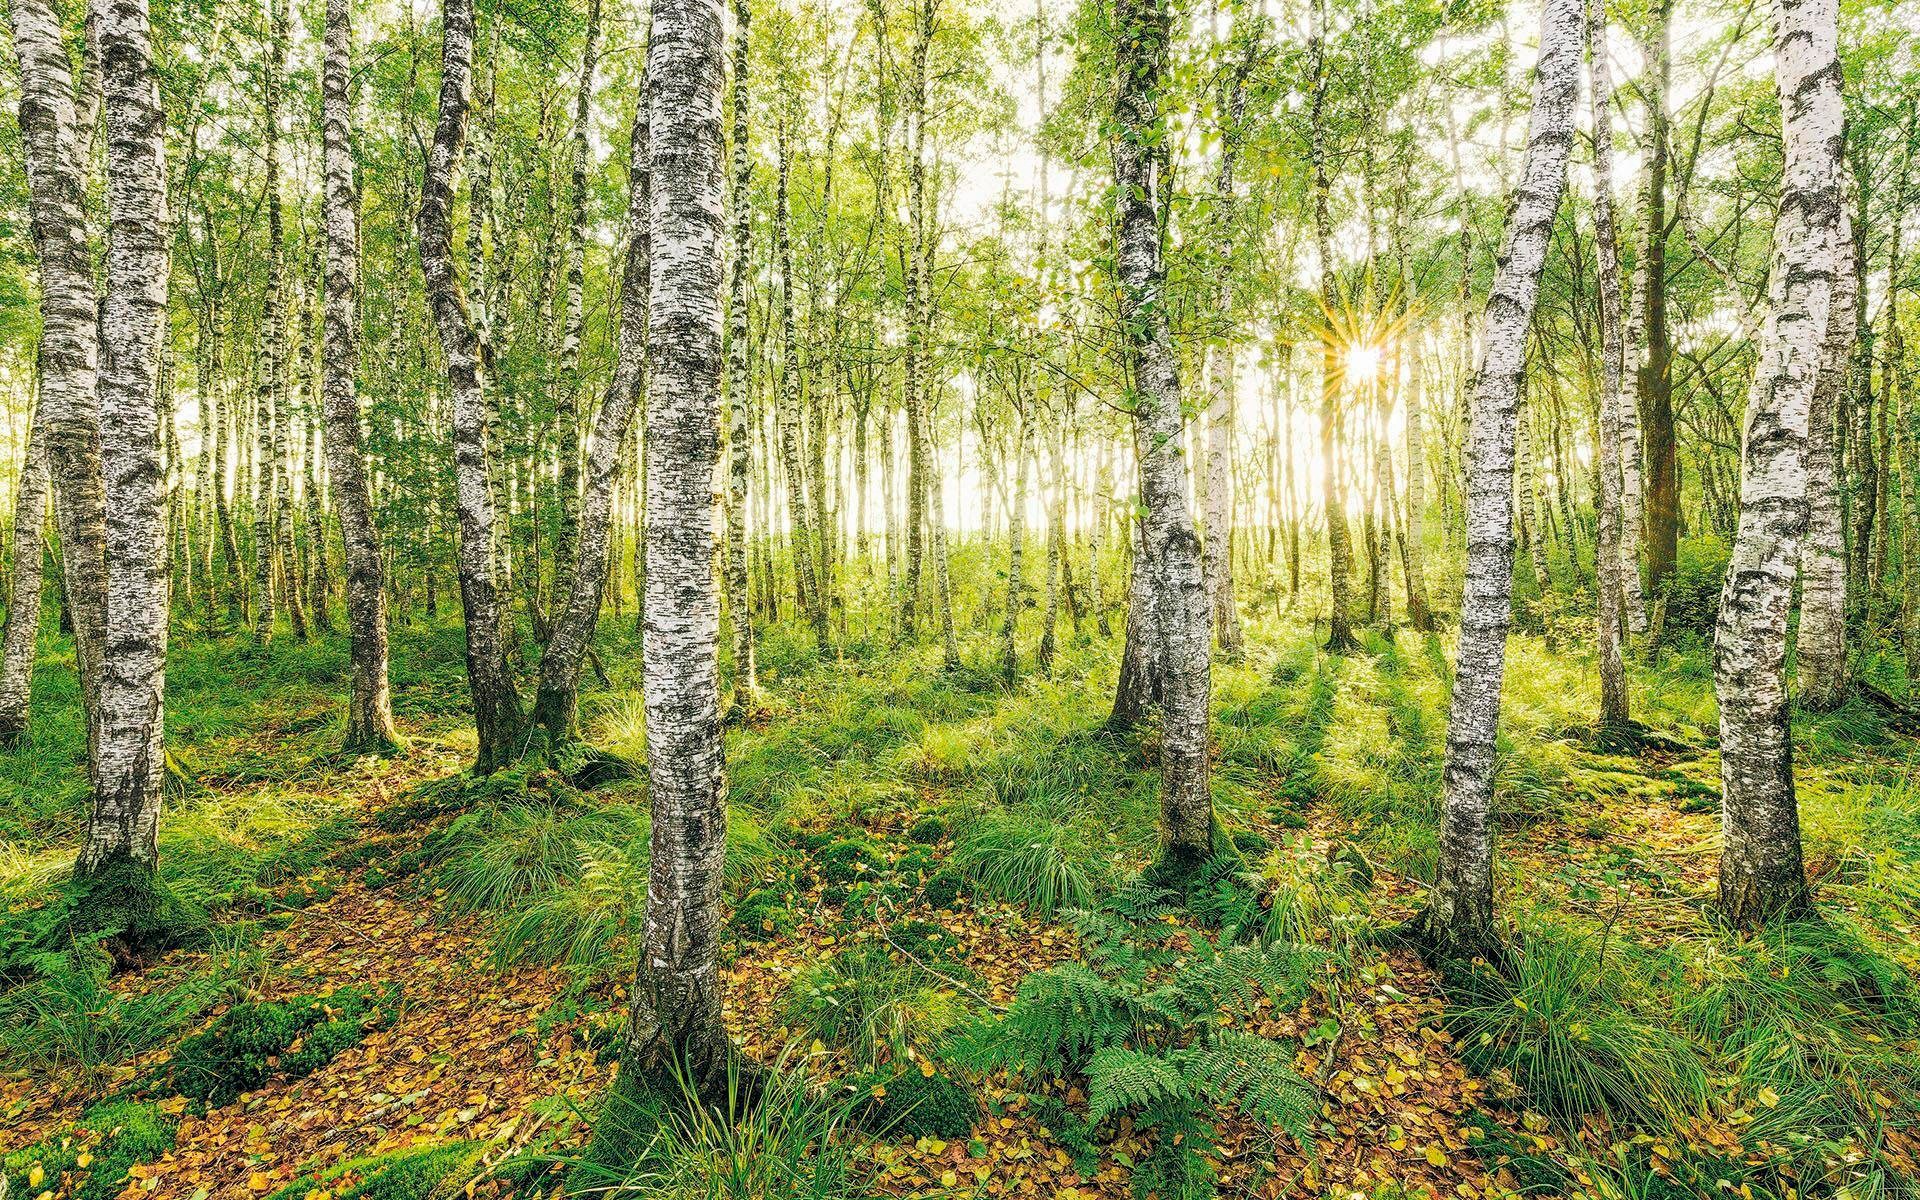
(1820, 652)
(1458, 920)
(370, 727)
(496, 704)
(121, 851)
(22, 640)
(739, 418)
(1762, 874)
(676, 997)
(1169, 545)
(1608, 563)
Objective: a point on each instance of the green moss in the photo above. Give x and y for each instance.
(296, 1037)
(849, 861)
(928, 831)
(762, 913)
(401, 1175)
(114, 1136)
(916, 1105)
(944, 889)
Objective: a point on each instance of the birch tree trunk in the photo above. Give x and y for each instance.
(120, 851)
(1821, 649)
(1169, 543)
(1333, 492)
(1016, 553)
(746, 684)
(567, 535)
(54, 131)
(272, 341)
(1608, 564)
(370, 726)
(1762, 875)
(23, 602)
(496, 705)
(556, 707)
(799, 514)
(676, 1008)
(1458, 921)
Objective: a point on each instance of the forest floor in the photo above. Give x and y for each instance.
(907, 847)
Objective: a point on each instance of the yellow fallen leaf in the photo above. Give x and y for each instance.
(37, 1174)
(948, 1178)
(258, 1182)
(1436, 1155)
(1769, 1097)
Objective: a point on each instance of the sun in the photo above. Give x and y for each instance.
(1363, 362)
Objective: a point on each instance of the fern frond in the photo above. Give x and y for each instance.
(1253, 1074)
(1119, 1079)
(1059, 1017)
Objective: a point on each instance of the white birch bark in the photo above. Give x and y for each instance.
(55, 132)
(1169, 543)
(370, 727)
(1609, 566)
(1820, 651)
(1762, 874)
(1459, 916)
(676, 1009)
(739, 419)
(23, 602)
(497, 716)
(130, 755)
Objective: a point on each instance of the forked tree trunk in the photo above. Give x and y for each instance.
(676, 1005)
(557, 706)
(23, 602)
(123, 827)
(1762, 875)
(739, 419)
(1458, 921)
(370, 727)
(496, 705)
(1821, 649)
(1608, 566)
(1169, 543)
(54, 133)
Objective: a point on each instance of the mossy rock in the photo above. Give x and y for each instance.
(254, 1042)
(850, 861)
(928, 831)
(944, 889)
(914, 1104)
(114, 1136)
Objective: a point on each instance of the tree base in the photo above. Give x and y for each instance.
(643, 1096)
(1452, 948)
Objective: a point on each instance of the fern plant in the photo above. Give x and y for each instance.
(1139, 1021)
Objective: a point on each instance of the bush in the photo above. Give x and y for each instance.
(69, 1018)
(113, 1137)
(864, 1000)
(294, 1038)
(919, 1103)
(1041, 864)
(1563, 1023)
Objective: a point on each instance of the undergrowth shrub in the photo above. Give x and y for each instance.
(866, 1000)
(1139, 1023)
(784, 1138)
(69, 1020)
(253, 1042)
(1567, 1023)
(90, 1159)
(1025, 858)
(918, 1102)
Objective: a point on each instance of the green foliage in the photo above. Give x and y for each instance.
(1023, 858)
(414, 1174)
(113, 1137)
(1140, 1022)
(774, 1135)
(68, 1019)
(915, 1104)
(253, 1042)
(1567, 1023)
(870, 1001)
